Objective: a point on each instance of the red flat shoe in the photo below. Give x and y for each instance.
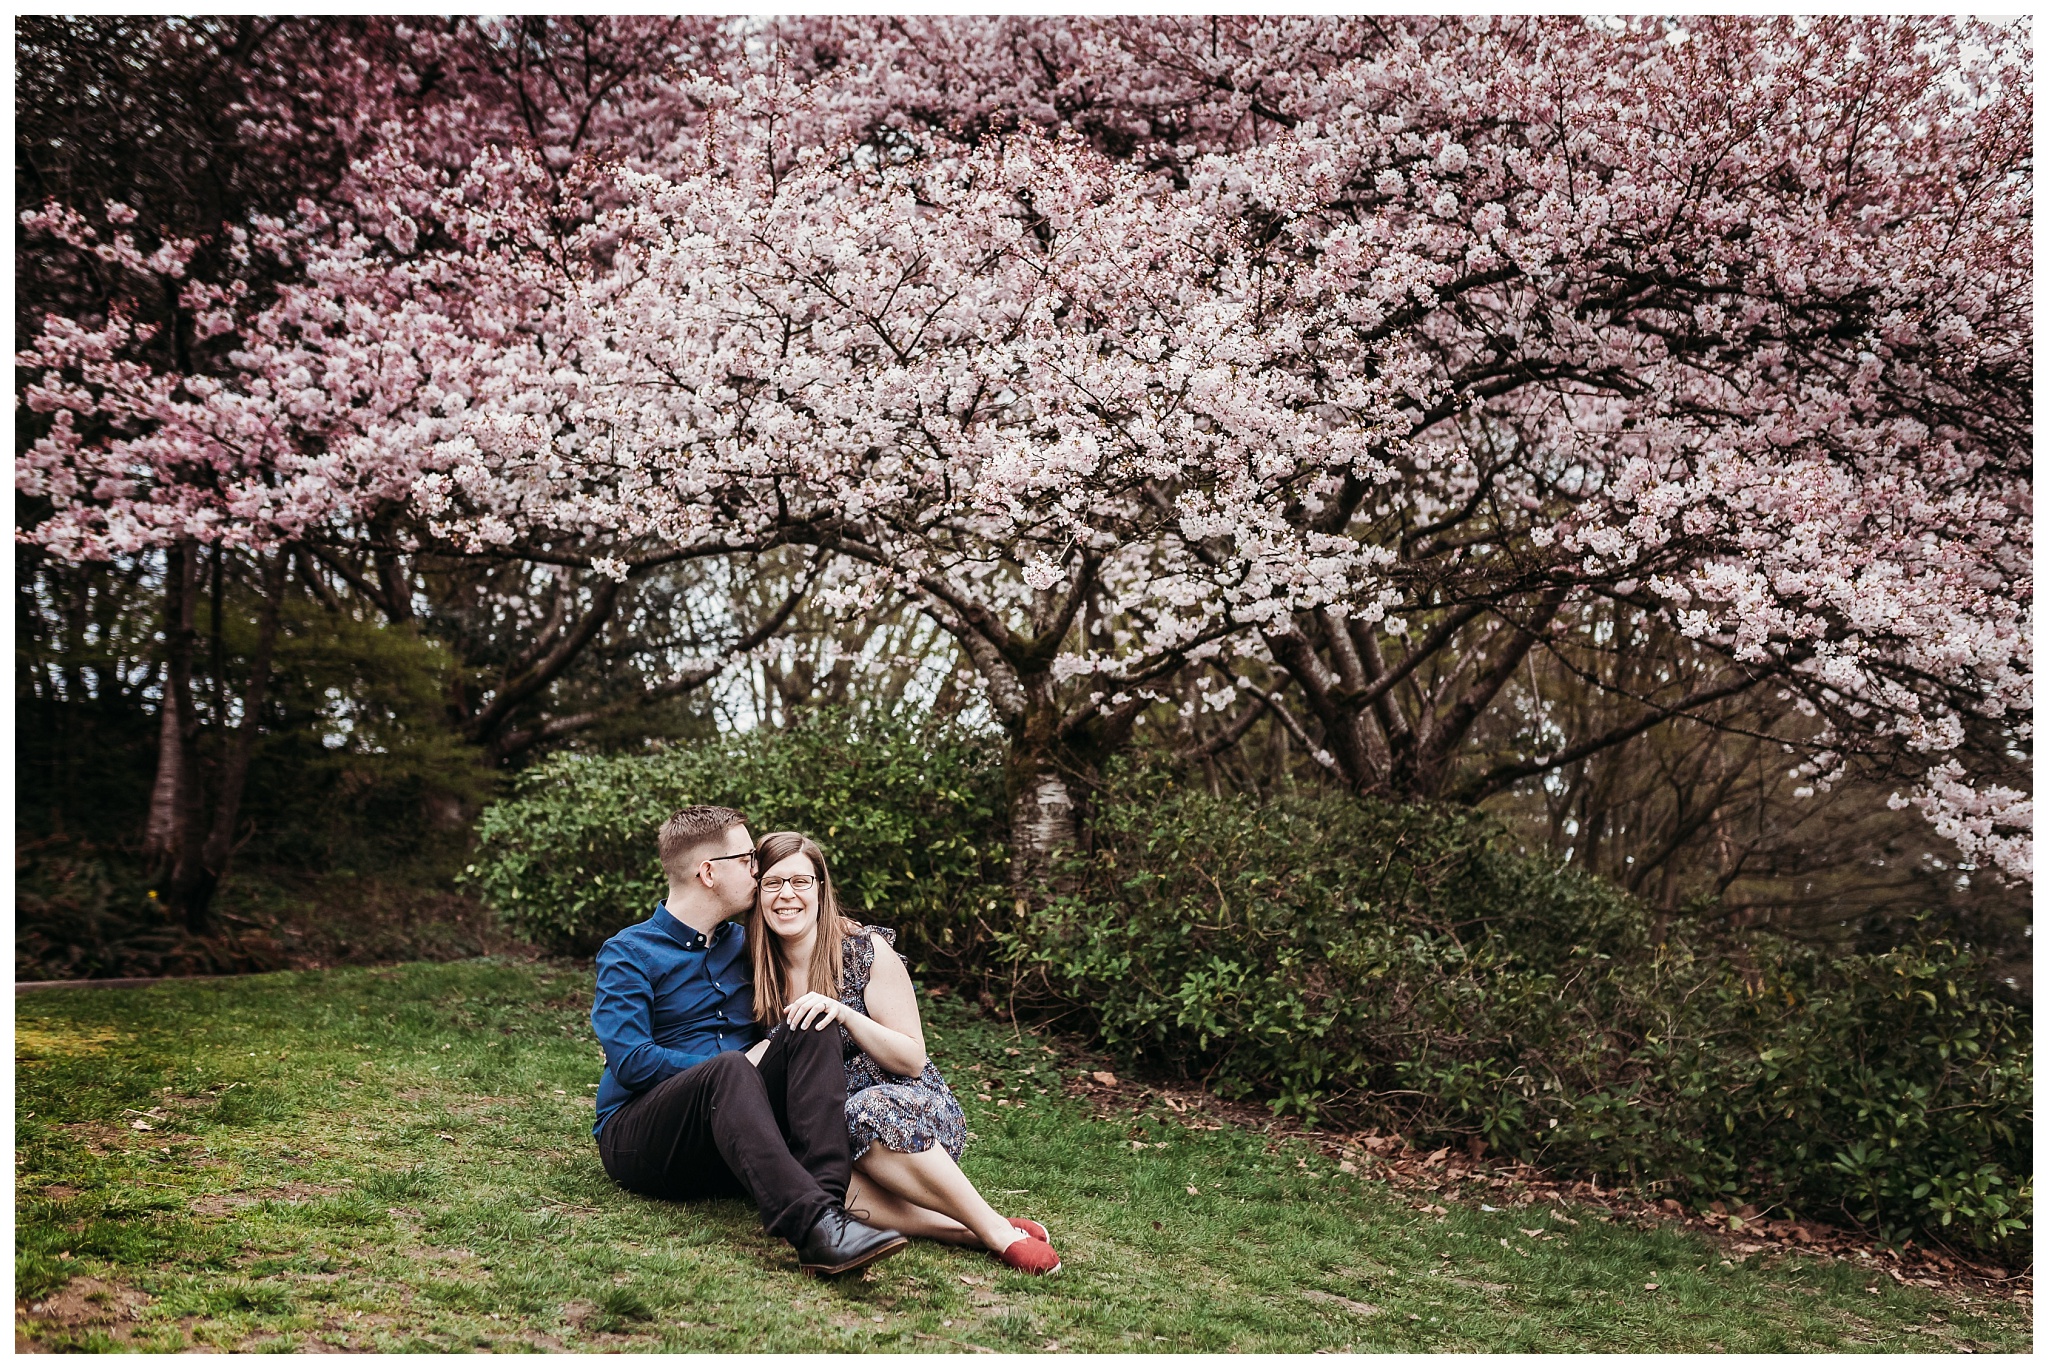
(1030, 1228)
(1030, 1256)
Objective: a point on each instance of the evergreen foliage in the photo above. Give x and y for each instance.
(908, 813)
(1365, 962)
(1401, 965)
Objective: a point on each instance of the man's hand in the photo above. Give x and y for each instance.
(815, 1010)
(756, 1051)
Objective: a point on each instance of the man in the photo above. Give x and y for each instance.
(693, 1102)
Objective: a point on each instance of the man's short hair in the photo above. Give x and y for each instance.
(689, 831)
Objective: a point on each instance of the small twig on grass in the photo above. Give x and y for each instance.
(948, 1340)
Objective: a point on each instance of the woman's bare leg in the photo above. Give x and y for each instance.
(876, 1205)
(931, 1180)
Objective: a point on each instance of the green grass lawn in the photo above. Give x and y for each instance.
(400, 1159)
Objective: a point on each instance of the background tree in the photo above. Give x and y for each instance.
(1621, 236)
(1412, 359)
(1624, 385)
(166, 154)
(1693, 349)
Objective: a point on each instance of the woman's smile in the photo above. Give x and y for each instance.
(788, 915)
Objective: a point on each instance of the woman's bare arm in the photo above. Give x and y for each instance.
(890, 1032)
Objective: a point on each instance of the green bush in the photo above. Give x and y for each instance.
(910, 815)
(1364, 962)
(1401, 965)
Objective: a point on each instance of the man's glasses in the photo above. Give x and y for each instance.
(750, 857)
(801, 884)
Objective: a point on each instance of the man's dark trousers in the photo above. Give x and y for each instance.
(775, 1133)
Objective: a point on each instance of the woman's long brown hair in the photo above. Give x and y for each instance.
(771, 976)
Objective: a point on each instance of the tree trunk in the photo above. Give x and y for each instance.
(1052, 773)
(1056, 754)
(227, 811)
(169, 838)
(1044, 827)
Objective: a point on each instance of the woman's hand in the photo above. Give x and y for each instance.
(817, 1011)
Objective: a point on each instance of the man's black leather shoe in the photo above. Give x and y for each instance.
(840, 1241)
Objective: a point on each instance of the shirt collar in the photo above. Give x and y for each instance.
(682, 933)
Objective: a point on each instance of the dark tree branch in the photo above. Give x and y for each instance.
(1046, 642)
(354, 579)
(1316, 753)
(513, 743)
(1432, 642)
(526, 684)
(303, 561)
(545, 635)
(1483, 786)
(1438, 736)
(1232, 734)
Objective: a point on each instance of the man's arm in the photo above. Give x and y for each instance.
(622, 1015)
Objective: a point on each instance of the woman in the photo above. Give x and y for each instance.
(814, 969)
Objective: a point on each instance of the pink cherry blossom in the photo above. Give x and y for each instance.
(1109, 341)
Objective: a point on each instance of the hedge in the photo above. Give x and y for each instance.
(1404, 965)
(909, 816)
(1364, 962)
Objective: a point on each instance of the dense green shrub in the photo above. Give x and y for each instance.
(909, 813)
(1401, 965)
(1364, 962)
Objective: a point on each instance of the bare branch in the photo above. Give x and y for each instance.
(680, 683)
(1501, 776)
(1232, 734)
(537, 677)
(1319, 755)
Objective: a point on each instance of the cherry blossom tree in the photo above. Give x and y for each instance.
(975, 374)
(143, 125)
(1750, 355)
(1689, 311)
(1391, 352)
(162, 161)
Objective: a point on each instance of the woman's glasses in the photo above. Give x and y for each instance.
(801, 884)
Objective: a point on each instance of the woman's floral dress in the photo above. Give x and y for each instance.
(900, 1112)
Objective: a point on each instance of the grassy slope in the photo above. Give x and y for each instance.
(399, 1159)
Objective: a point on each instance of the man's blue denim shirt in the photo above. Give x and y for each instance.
(668, 998)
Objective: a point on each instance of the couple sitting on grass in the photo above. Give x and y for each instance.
(758, 1044)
